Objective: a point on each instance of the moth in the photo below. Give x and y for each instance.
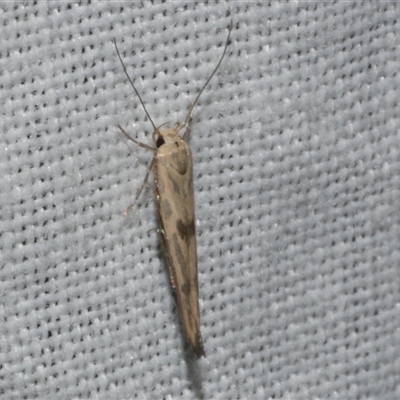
(172, 167)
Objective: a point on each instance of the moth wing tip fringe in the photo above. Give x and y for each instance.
(198, 349)
(196, 343)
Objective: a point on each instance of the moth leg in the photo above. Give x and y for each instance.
(188, 131)
(145, 146)
(149, 168)
(146, 178)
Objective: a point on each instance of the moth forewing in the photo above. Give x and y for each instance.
(173, 174)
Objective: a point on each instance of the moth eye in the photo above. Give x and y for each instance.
(159, 142)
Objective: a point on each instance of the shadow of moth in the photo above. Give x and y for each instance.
(172, 167)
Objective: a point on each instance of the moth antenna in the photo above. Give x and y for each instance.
(209, 79)
(136, 91)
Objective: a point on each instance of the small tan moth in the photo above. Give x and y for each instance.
(172, 167)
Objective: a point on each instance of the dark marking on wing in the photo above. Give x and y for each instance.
(179, 255)
(186, 288)
(182, 166)
(186, 231)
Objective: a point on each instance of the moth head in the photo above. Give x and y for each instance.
(166, 136)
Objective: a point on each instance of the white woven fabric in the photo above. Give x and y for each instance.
(296, 145)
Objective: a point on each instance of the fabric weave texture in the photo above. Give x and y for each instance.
(296, 148)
